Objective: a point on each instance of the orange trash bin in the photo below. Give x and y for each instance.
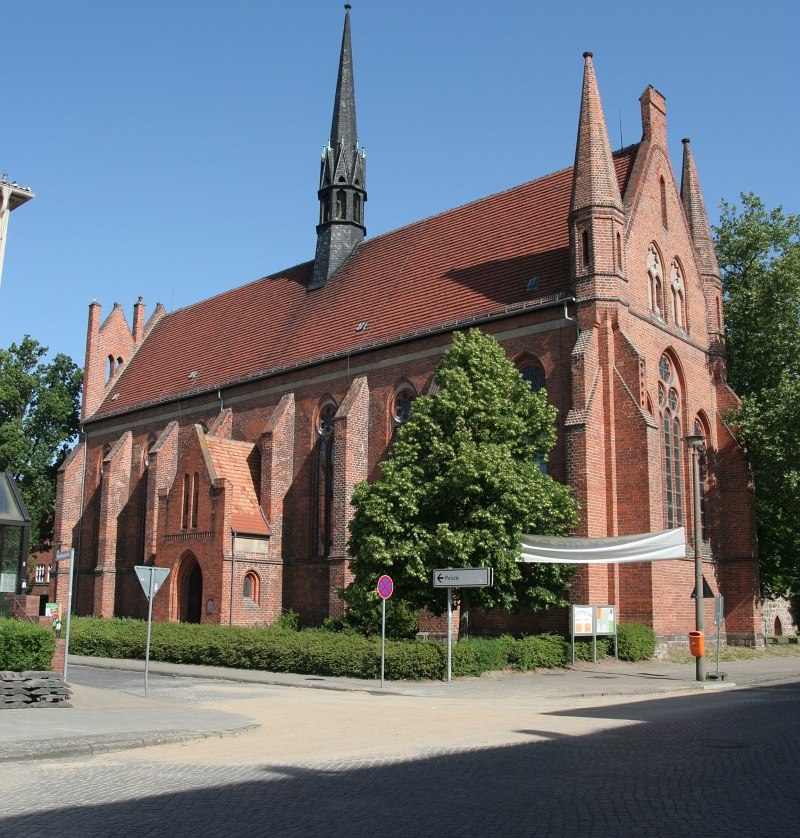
(697, 643)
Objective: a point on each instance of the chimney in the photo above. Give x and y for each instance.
(654, 116)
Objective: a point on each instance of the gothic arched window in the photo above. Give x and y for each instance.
(195, 499)
(322, 494)
(655, 278)
(250, 587)
(534, 375)
(676, 295)
(403, 402)
(341, 203)
(187, 495)
(669, 404)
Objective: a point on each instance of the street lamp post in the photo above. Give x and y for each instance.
(696, 443)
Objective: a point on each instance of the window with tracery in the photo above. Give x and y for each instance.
(676, 295)
(322, 494)
(655, 279)
(669, 404)
(403, 402)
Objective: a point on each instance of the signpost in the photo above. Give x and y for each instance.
(719, 616)
(385, 590)
(61, 556)
(151, 579)
(459, 577)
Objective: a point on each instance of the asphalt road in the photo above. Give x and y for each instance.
(712, 763)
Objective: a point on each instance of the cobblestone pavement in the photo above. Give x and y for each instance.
(707, 764)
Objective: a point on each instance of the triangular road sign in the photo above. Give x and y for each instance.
(144, 572)
(707, 592)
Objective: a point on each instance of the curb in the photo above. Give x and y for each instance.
(101, 744)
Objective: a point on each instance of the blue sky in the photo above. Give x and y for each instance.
(173, 146)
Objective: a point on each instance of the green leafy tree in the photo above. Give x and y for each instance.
(461, 485)
(759, 254)
(39, 418)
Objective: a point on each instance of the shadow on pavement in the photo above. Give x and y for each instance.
(664, 777)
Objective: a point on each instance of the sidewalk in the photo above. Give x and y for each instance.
(110, 711)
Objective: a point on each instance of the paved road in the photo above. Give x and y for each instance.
(488, 762)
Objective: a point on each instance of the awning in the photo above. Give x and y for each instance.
(646, 547)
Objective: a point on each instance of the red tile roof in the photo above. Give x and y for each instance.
(472, 261)
(237, 462)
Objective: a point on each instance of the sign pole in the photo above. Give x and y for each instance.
(150, 595)
(383, 637)
(151, 579)
(449, 634)
(69, 608)
(385, 590)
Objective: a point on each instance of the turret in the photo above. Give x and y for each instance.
(596, 218)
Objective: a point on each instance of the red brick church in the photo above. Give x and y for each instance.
(223, 440)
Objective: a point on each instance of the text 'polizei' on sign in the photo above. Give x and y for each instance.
(463, 577)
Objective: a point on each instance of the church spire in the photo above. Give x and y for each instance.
(343, 124)
(342, 184)
(692, 199)
(594, 180)
(596, 217)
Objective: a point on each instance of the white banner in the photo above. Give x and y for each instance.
(646, 547)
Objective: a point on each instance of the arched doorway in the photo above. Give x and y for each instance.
(190, 591)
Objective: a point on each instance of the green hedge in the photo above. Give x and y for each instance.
(344, 653)
(25, 645)
(635, 642)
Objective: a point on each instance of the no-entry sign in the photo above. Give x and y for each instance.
(385, 587)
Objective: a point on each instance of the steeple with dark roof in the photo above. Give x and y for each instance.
(342, 184)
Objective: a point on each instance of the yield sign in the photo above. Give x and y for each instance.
(151, 578)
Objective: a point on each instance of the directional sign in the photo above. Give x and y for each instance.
(463, 577)
(385, 587)
(159, 574)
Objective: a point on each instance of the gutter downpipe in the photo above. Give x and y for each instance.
(571, 319)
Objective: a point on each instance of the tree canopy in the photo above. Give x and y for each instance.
(759, 255)
(461, 484)
(39, 417)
